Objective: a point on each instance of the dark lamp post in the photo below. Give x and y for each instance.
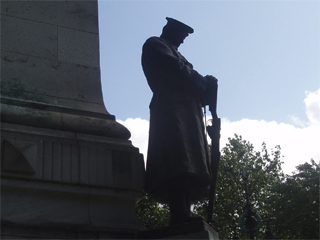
(250, 221)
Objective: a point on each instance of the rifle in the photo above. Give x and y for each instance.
(214, 134)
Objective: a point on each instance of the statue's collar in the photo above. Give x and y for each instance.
(169, 43)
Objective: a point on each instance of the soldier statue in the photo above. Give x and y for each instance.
(178, 163)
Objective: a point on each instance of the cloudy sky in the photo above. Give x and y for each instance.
(265, 54)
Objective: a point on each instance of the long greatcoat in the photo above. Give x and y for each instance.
(178, 150)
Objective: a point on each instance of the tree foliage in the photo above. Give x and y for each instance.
(297, 203)
(152, 214)
(263, 170)
(293, 200)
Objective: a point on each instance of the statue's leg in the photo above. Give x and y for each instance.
(179, 205)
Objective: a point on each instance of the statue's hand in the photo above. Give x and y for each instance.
(214, 129)
(211, 94)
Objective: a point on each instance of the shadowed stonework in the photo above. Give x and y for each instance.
(50, 69)
(68, 169)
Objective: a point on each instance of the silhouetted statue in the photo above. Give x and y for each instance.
(178, 162)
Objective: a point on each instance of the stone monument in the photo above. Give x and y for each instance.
(68, 169)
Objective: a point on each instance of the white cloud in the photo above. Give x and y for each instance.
(139, 129)
(298, 144)
(297, 121)
(312, 102)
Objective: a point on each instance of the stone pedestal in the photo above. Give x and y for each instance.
(68, 169)
(63, 179)
(192, 230)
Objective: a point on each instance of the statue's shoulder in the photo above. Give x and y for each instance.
(154, 41)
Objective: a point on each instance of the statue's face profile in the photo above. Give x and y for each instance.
(176, 37)
(180, 37)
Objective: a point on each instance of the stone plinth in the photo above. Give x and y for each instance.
(68, 169)
(192, 230)
(68, 181)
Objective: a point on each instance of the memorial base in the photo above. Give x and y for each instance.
(67, 185)
(192, 230)
(19, 231)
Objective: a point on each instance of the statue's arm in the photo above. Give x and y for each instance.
(163, 60)
(159, 58)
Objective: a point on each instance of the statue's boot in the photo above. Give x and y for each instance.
(180, 207)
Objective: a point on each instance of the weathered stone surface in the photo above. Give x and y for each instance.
(19, 156)
(50, 204)
(50, 81)
(61, 119)
(77, 180)
(68, 169)
(63, 232)
(29, 38)
(78, 47)
(50, 56)
(81, 15)
(68, 157)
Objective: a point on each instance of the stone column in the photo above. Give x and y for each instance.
(67, 167)
(50, 69)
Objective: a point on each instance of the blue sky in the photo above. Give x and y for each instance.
(265, 54)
